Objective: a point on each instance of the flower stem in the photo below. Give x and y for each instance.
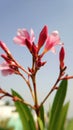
(28, 84)
(52, 89)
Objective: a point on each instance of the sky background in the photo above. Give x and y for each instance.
(57, 15)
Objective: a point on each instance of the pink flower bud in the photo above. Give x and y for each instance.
(28, 45)
(62, 54)
(5, 48)
(42, 37)
(61, 57)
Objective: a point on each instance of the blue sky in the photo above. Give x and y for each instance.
(57, 15)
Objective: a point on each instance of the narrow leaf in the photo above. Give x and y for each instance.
(25, 114)
(69, 125)
(62, 117)
(57, 105)
(40, 124)
(42, 115)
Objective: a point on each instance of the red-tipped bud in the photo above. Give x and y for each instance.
(34, 50)
(62, 54)
(61, 57)
(42, 37)
(28, 44)
(39, 63)
(5, 48)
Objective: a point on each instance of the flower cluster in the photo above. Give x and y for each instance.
(24, 38)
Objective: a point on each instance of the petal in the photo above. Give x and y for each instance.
(48, 45)
(54, 38)
(19, 40)
(4, 66)
(52, 41)
(5, 69)
(24, 33)
(32, 35)
(53, 50)
(7, 72)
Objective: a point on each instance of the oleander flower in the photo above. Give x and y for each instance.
(52, 41)
(22, 35)
(9, 66)
(25, 39)
(5, 69)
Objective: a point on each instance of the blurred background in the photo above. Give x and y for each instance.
(57, 15)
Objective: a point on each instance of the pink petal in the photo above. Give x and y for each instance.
(24, 33)
(53, 50)
(5, 69)
(19, 40)
(7, 72)
(32, 38)
(52, 41)
(54, 38)
(4, 66)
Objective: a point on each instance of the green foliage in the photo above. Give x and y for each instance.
(42, 115)
(57, 111)
(3, 128)
(62, 118)
(25, 114)
(69, 125)
(41, 126)
(3, 124)
(41, 119)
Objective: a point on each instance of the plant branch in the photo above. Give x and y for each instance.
(52, 89)
(15, 98)
(28, 84)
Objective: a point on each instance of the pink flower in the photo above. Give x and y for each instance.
(24, 38)
(5, 69)
(22, 35)
(9, 66)
(52, 41)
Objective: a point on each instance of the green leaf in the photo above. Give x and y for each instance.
(42, 115)
(57, 105)
(62, 117)
(69, 125)
(40, 124)
(25, 114)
